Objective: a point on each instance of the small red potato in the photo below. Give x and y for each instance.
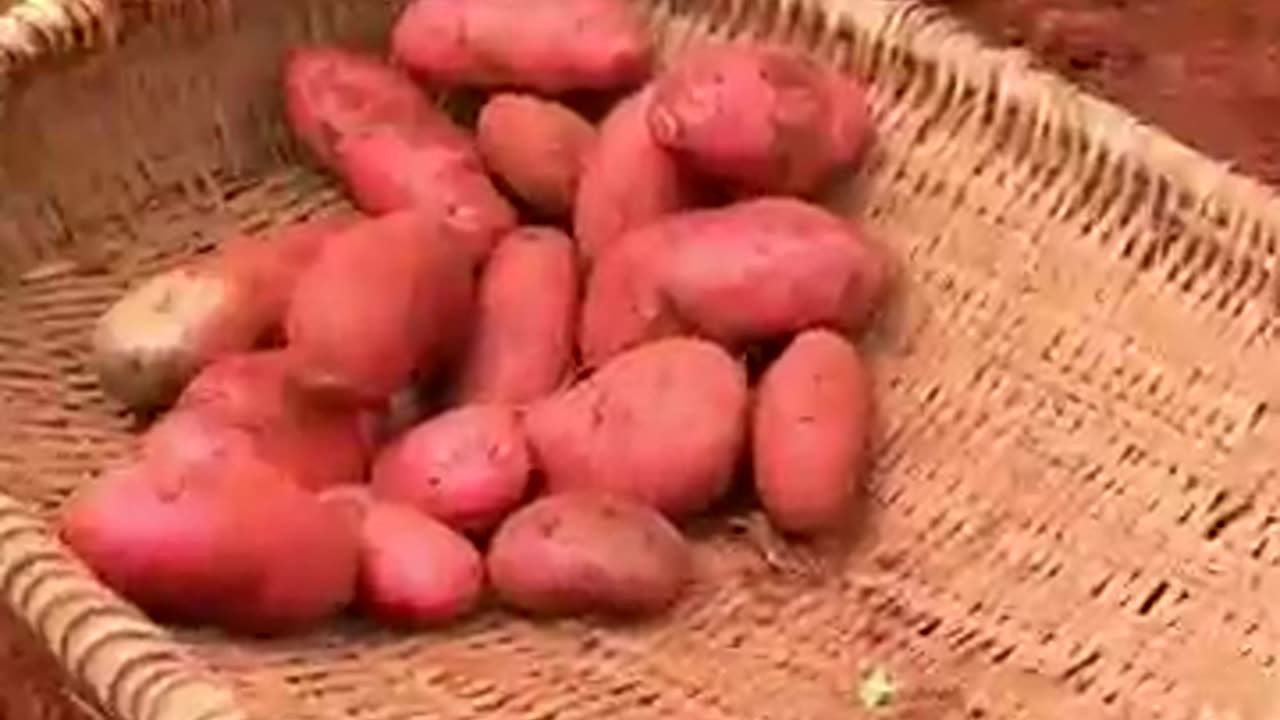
(765, 119)
(414, 570)
(550, 46)
(537, 147)
(582, 552)
(663, 424)
(522, 346)
(389, 298)
(812, 418)
(467, 467)
(628, 180)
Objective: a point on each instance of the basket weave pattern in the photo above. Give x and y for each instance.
(1072, 511)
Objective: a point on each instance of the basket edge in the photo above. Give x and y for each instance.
(126, 664)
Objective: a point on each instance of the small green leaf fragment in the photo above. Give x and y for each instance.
(877, 689)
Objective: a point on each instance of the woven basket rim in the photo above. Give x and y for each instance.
(38, 36)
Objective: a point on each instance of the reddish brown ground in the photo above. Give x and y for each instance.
(1206, 70)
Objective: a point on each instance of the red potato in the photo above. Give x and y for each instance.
(415, 570)
(212, 535)
(163, 543)
(320, 445)
(152, 341)
(628, 180)
(390, 168)
(811, 422)
(522, 346)
(551, 46)
(750, 271)
(352, 500)
(765, 119)
(663, 424)
(538, 147)
(588, 552)
(625, 305)
(331, 93)
(769, 267)
(273, 261)
(388, 298)
(284, 523)
(467, 467)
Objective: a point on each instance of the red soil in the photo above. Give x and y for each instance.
(1208, 71)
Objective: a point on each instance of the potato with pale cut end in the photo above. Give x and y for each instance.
(154, 339)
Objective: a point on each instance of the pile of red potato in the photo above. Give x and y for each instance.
(402, 407)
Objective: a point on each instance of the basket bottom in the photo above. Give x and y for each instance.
(975, 573)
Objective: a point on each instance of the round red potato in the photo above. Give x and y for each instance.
(663, 424)
(582, 552)
(468, 467)
(537, 146)
(765, 119)
(522, 346)
(812, 417)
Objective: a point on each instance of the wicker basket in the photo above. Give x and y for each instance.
(1074, 514)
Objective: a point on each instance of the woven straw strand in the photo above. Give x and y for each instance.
(35, 30)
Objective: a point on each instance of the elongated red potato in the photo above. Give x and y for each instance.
(209, 534)
(388, 298)
(551, 46)
(414, 570)
(388, 169)
(765, 119)
(628, 180)
(467, 467)
(155, 338)
(537, 147)
(812, 418)
(586, 552)
(662, 424)
(331, 93)
(750, 271)
(522, 346)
